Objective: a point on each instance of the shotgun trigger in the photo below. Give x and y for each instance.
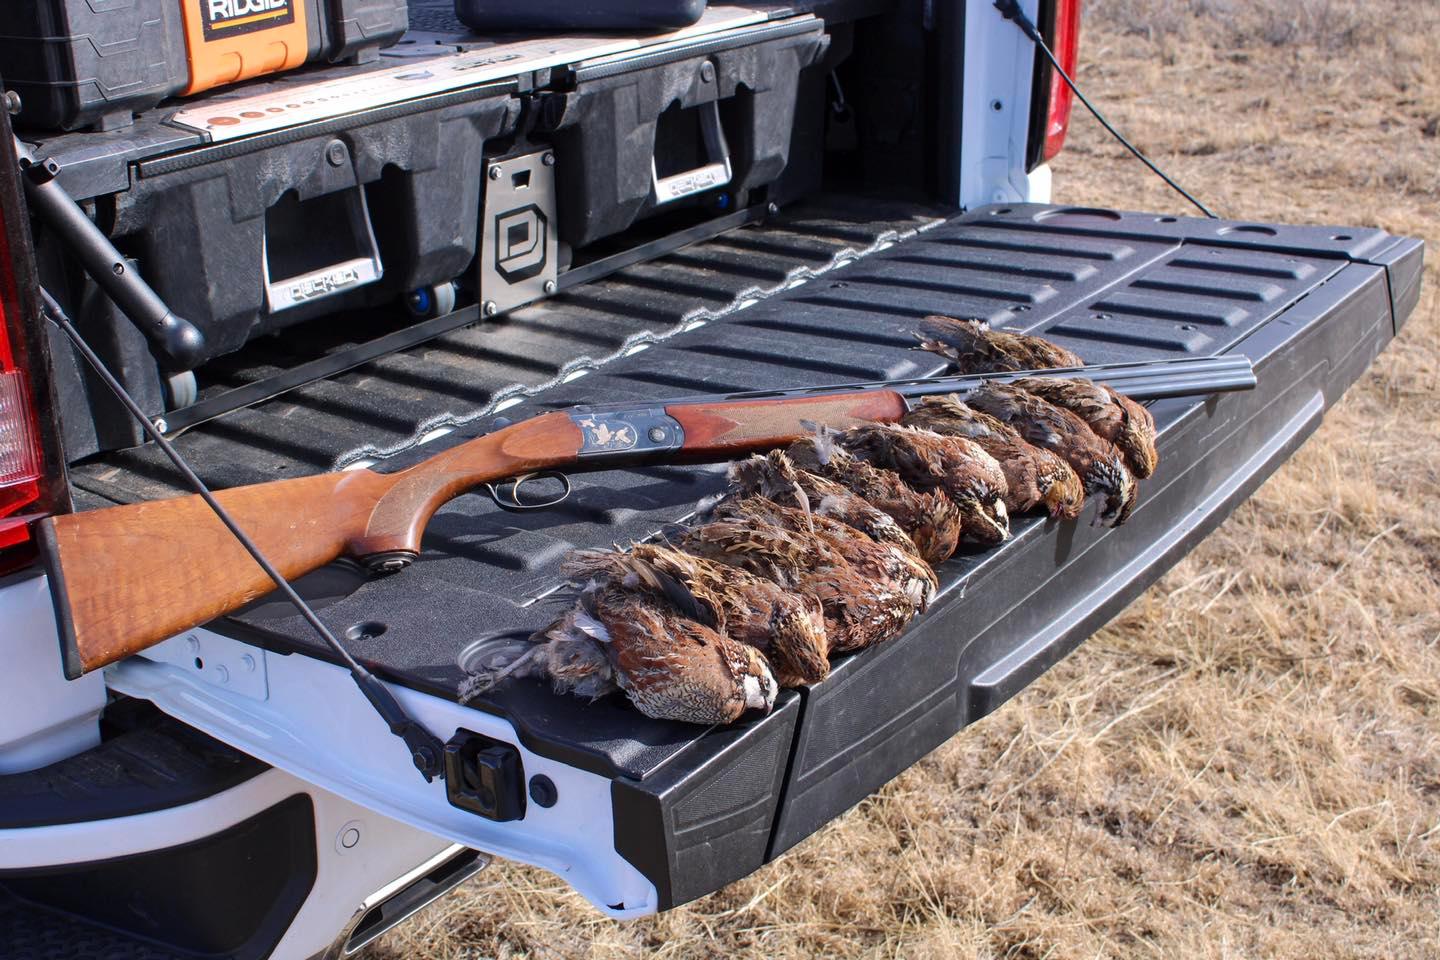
(509, 499)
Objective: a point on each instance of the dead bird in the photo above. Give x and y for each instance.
(1111, 414)
(972, 346)
(1100, 465)
(927, 461)
(786, 625)
(859, 610)
(775, 477)
(882, 562)
(670, 666)
(1034, 476)
(931, 520)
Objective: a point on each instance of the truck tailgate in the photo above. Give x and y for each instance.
(691, 809)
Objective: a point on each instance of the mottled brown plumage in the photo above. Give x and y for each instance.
(972, 347)
(670, 666)
(787, 626)
(931, 520)
(882, 562)
(859, 611)
(1112, 415)
(927, 461)
(775, 477)
(1100, 465)
(1034, 476)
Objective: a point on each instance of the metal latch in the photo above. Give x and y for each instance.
(350, 238)
(715, 173)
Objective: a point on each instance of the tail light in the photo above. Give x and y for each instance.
(28, 489)
(21, 458)
(1050, 111)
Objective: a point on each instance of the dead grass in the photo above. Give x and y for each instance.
(1247, 762)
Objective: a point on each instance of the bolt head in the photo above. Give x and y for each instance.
(707, 72)
(656, 434)
(549, 286)
(12, 102)
(490, 308)
(772, 208)
(548, 159)
(160, 424)
(495, 172)
(335, 153)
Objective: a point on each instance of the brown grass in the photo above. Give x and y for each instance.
(1247, 762)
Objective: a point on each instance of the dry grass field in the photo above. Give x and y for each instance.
(1246, 763)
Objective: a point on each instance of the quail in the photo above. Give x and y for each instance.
(927, 461)
(1100, 465)
(1112, 415)
(859, 610)
(972, 347)
(882, 562)
(670, 666)
(777, 478)
(787, 626)
(931, 520)
(1034, 476)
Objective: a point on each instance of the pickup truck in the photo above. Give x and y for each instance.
(388, 258)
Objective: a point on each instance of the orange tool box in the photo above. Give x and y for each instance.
(75, 63)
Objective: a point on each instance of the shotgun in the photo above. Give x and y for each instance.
(125, 578)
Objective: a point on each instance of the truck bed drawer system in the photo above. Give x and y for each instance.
(825, 294)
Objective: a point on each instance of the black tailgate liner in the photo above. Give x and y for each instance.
(697, 809)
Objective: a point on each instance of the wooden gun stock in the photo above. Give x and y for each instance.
(125, 578)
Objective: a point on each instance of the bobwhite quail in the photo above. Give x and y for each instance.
(775, 477)
(788, 627)
(931, 520)
(927, 461)
(670, 666)
(1112, 415)
(972, 347)
(1033, 475)
(859, 610)
(1100, 465)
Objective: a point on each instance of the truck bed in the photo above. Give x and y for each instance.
(828, 293)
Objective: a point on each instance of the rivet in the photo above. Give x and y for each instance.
(707, 72)
(549, 286)
(495, 172)
(490, 308)
(335, 153)
(160, 424)
(656, 434)
(548, 159)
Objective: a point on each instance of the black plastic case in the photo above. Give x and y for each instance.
(77, 63)
(630, 127)
(569, 15)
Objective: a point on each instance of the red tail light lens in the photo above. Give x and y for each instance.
(1065, 42)
(21, 459)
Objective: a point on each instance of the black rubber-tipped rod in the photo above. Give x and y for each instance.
(179, 344)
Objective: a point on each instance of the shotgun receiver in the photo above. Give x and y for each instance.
(125, 578)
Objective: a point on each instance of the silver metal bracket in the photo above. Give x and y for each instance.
(518, 249)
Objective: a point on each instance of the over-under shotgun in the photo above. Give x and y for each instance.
(125, 578)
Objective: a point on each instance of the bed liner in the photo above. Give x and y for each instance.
(695, 809)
